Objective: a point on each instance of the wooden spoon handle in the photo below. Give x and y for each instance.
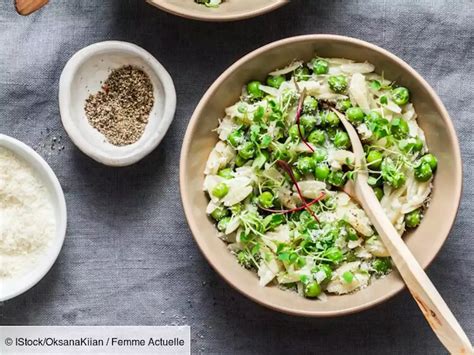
(436, 311)
(26, 7)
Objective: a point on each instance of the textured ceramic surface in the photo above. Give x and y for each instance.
(230, 10)
(83, 75)
(424, 242)
(15, 286)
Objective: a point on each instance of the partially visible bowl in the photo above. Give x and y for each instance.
(83, 75)
(13, 287)
(424, 242)
(229, 10)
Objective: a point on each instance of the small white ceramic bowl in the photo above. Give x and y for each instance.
(13, 287)
(84, 74)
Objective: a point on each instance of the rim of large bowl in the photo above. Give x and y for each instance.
(193, 224)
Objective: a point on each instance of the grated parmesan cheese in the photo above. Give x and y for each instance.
(27, 222)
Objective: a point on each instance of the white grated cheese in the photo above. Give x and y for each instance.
(27, 222)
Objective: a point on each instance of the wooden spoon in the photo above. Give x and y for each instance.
(436, 311)
(26, 7)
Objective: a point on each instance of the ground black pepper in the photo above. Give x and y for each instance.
(120, 111)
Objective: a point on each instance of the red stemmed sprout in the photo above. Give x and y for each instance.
(287, 168)
(306, 205)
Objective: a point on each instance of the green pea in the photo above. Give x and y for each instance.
(220, 190)
(294, 132)
(275, 81)
(331, 132)
(413, 219)
(237, 208)
(239, 161)
(266, 199)
(399, 128)
(283, 154)
(418, 146)
(332, 119)
(293, 257)
(355, 115)
(327, 270)
(375, 85)
(423, 172)
(222, 225)
(226, 173)
(321, 172)
(348, 277)
(320, 66)
(302, 73)
(310, 104)
(378, 192)
(343, 105)
(341, 140)
(312, 290)
(317, 137)
(307, 122)
(382, 265)
(374, 159)
(305, 164)
(235, 138)
(320, 155)
(351, 233)
(253, 88)
(337, 178)
(431, 160)
(219, 213)
(400, 95)
(338, 83)
(248, 151)
(374, 116)
(300, 262)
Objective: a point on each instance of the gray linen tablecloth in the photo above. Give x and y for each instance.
(129, 257)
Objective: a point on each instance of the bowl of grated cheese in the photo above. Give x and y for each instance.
(32, 218)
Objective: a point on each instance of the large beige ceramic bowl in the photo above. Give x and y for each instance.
(425, 242)
(229, 10)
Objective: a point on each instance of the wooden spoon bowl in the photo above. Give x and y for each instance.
(27, 7)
